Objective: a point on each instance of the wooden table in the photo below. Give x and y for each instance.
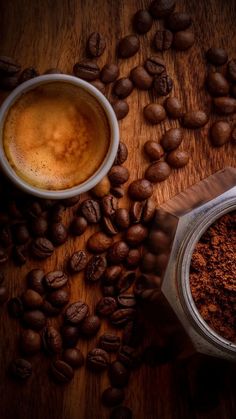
(53, 34)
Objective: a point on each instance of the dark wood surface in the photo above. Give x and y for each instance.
(53, 34)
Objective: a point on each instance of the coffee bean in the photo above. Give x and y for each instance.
(95, 268)
(128, 356)
(118, 374)
(34, 319)
(173, 107)
(30, 342)
(70, 335)
(20, 369)
(153, 150)
(161, 262)
(52, 340)
(125, 282)
(78, 226)
(194, 119)
(224, 105)
(49, 310)
(162, 85)
(154, 113)
(109, 73)
(60, 297)
(122, 218)
(21, 233)
(90, 209)
(76, 312)
(19, 254)
(3, 256)
(33, 209)
(231, 70)
(3, 294)
(233, 136)
(118, 175)
(109, 204)
(121, 412)
(112, 396)
(108, 290)
(42, 248)
(172, 139)
(97, 359)
(142, 21)
(39, 226)
(133, 258)
(217, 84)
(56, 213)
(15, 307)
(148, 263)
(28, 74)
(61, 371)
(109, 226)
(58, 233)
(106, 306)
(148, 211)
(140, 189)
(90, 325)
(133, 334)
(161, 8)
(118, 252)
(136, 234)
(141, 78)
(87, 70)
(96, 44)
(53, 71)
(98, 242)
(158, 172)
(8, 65)
(35, 280)
(5, 236)
(183, 40)
(220, 133)
(217, 56)
(117, 191)
(71, 202)
(112, 274)
(128, 46)
(109, 342)
(233, 90)
(99, 85)
(123, 87)
(158, 241)
(136, 210)
(2, 277)
(178, 21)
(122, 154)
(73, 357)
(102, 188)
(55, 279)
(121, 108)
(163, 40)
(31, 299)
(126, 300)
(154, 65)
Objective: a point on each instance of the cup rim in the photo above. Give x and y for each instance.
(105, 165)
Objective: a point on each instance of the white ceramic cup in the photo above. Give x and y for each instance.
(106, 164)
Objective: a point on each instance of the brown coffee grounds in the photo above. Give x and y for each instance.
(213, 276)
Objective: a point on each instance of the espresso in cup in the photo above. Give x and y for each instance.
(56, 136)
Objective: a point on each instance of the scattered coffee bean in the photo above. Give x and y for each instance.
(77, 261)
(133, 258)
(142, 21)
(27, 74)
(19, 254)
(122, 218)
(78, 226)
(55, 279)
(97, 359)
(154, 113)
(20, 369)
(148, 211)
(121, 108)
(99, 242)
(15, 307)
(109, 226)
(233, 136)
(49, 310)
(42, 248)
(173, 107)
(161, 8)
(70, 202)
(162, 85)
(102, 188)
(136, 234)
(224, 105)
(217, 84)
(158, 241)
(117, 191)
(178, 21)
(30, 342)
(154, 65)
(112, 274)
(34, 319)
(113, 396)
(39, 226)
(118, 175)
(125, 282)
(122, 154)
(194, 119)
(183, 40)
(52, 340)
(233, 90)
(76, 312)
(141, 78)
(3, 294)
(106, 306)
(148, 263)
(90, 325)
(121, 412)
(21, 233)
(58, 233)
(31, 299)
(61, 371)
(8, 65)
(118, 252)
(136, 210)
(70, 335)
(172, 139)
(90, 209)
(220, 133)
(123, 87)
(60, 297)
(231, 70)
(99, 85)
(56, 213)
(109, 73)
(153, 150)
(87, 70)
(5, 236)
(163, 40)
(128, 356)
(118, 374)
(140, 189)
(96, 44)
(33, 209)
(126, 300)
(128, 46)
(109, 204)
(158, 172)
(95, 268)
(73, 357)
(217, 56)
(109, 342)
(108, 291)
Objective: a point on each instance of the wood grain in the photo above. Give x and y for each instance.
(49, 34)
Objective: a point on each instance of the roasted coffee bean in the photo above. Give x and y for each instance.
(121, 412)
(112, 274)
(148, 263)
(109, 342)
(224, 105)
(133, 334)
(128, 356)
(128, 46)
(162, 85)
(99, 85)
(90, 209)
(49, 310)
(173, 107)
(56, 213)
(217, 84)
(42, 248)
(112, 396)
(118, 252)
(117, 191)
(133, 258)
(15, 307)
(109, 226)
(154, 65)
(161, 262)
(118, 175)
(217, 56)
(52, 340)
(97, 359)
(60, 297)
(136, 234)
(76, 312)
(136, 210)
(161, 8)
(5, 236)
(102, 188)
(34, 319)
(87, 70)
(142, 21)
(106, 306)
(3, 294)
(125, 281)
(55, 279)
(126, 300)
(220, 133)
(158, 241)
(121, 108)
(108, 290)
(31, 299)
(35, 280)
(122, 154)
(183, 40)
(109, 204)
(8, 65)
(28, 74)
(178, 158)
(233, 136)
(153, 150)
(21, 233)
(96, 44)
(30, 342)
(2, 277)
(141, 78)
(158, 171)
(61, 371)
(73, 357)
(8, 82)
(123, 87)
(163, 40)
(19, 254)
(140, 189)
(148, 211)
(98, 242)
(178, 21)
(154, 113)
(172, 139)
(233, 90)
(3, 256)
(231, 70)
(118, 374)
(90, 325)
(78, 226)
(39, 226)
(58, 233)
(53, 71)
(122, 218)
(109, 73)
(33, 209)
(20, 369)
(95, 268)
(70, 335)
(194, 119)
